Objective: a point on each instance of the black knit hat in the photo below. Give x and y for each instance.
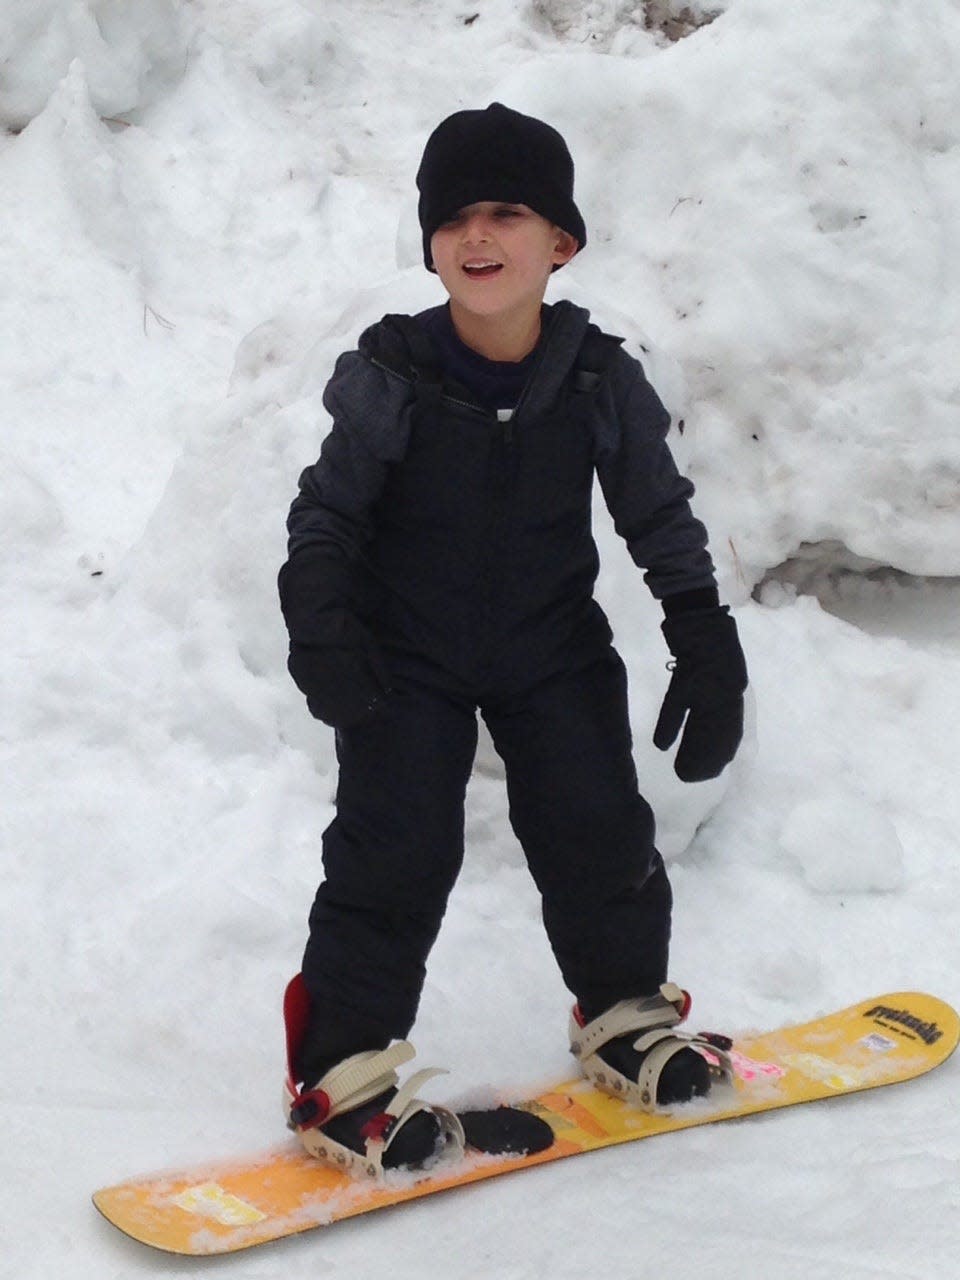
(496, 154)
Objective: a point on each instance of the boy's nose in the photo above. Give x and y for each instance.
(476, 228)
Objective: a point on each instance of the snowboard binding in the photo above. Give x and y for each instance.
(648, 1072)
(367, 1084)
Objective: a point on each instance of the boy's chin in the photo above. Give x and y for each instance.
(485, 309)
(491, 307)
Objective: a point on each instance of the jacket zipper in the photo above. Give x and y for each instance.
(506, 424)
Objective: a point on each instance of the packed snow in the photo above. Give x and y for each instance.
(204, 202)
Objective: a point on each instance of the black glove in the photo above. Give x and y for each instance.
(343, 685)
(708, 681)
(334, 659)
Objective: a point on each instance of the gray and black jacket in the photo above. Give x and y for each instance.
(460, 542)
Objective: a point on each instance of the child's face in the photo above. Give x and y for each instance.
(496, 258)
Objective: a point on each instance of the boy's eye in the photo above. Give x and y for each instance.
(505, 212)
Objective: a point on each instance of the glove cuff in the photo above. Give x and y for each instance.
(706, 642)
(690, 601)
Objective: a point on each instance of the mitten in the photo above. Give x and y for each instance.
(341, 684)
(334, 660)
(705, 691)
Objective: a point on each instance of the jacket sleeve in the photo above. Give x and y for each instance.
(646, 495)
(332, 518)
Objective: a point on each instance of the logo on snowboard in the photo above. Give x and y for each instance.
(928, 1032)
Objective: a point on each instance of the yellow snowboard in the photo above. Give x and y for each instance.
(221, 1208)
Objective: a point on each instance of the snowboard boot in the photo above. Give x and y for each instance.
(356, 1117)
(662, 1066)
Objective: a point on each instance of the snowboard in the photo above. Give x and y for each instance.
(228, 1206)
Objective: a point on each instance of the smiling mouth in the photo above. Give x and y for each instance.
(482, 270)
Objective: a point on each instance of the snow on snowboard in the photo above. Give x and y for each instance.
(225, 1207)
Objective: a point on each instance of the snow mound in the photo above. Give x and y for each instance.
(28, 511)
(844, 844)
(625, 29)
(128, 51)
(798, 257)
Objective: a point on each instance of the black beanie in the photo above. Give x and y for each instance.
(496, 154)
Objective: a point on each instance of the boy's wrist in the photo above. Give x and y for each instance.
(688, 601)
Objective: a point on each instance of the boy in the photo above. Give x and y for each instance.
(440, 563)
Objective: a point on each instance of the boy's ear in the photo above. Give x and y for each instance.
(565, 247)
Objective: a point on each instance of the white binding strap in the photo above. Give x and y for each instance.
(405, 1095)
(361, 1078)
(662, 1010)
(657, 1018)
(404, 1105)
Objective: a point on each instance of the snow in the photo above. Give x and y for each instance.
(840, 818)
(204, 202)
(130, 53)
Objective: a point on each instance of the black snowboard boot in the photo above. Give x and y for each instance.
(684, 1077)
(634, 1051)
(356, 1116)
(415, 1145)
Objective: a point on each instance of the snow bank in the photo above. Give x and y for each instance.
(621, 28)
(129, 53)
(797, 255)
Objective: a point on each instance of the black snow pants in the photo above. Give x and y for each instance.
(393, 851)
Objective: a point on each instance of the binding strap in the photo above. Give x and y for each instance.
(664, 1010)
(657, 1017)
(349, 1085)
